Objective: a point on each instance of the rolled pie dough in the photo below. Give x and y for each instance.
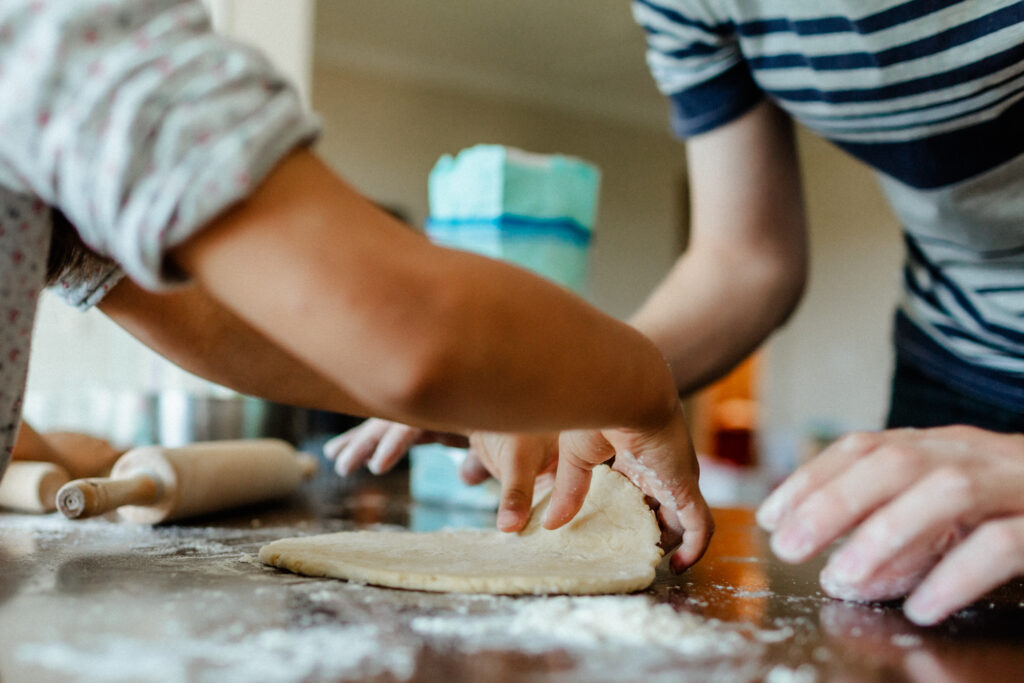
(611, 546)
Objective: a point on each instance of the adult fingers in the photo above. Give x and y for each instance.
(841, 502)
(334, 446)
(911, 530)
(992, 555)
(814, 474)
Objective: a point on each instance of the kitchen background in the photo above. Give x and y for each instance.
(398, 83)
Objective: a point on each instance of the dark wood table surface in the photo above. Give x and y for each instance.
(107, 601)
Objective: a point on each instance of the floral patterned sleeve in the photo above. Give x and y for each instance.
(138, 122)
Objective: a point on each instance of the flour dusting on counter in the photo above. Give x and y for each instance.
(96, 600)
(274, 655)
(588, 623)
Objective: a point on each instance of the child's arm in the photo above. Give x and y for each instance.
(197, 333)
(82, 455)
(436, 337)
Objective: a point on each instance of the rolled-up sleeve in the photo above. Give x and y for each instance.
(696, 61)
(137, 121)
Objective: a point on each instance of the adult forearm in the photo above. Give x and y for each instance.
(419, 333)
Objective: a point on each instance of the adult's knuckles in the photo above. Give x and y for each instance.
(1002, 541)
(858, 442)
(900, 460)
(821, 504)
(957, 486)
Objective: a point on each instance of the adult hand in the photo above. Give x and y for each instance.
(661, 462)
(936, 513)
(380, 444)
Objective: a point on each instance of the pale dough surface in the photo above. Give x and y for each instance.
(609, 547)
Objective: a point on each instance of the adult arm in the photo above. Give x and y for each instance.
(745, 267)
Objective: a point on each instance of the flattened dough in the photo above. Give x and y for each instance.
(611, 546)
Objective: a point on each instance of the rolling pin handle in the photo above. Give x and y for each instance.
(90, 497)
(309, 466)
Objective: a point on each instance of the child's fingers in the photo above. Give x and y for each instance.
(698, 525)
(516, 494)
(472, 471)
(579, 452)
(360, 445)
(572, 481)
(392, 447)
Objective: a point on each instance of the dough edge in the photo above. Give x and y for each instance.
(623, 575)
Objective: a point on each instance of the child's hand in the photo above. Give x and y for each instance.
(380, 444)
(661, 463)
(517, 461)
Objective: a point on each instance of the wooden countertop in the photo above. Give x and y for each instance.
(99, 600)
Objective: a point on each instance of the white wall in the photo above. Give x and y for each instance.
(282, 30)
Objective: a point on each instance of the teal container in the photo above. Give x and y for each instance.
(534, 210)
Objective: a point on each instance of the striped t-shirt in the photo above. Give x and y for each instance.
(930, 93)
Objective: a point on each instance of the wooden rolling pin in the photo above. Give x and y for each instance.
(150, 485)
(32, 486)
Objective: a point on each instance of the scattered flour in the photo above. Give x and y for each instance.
(591, 623)
(339, 631)
(783, 674)
(319, 652)
(907, 640)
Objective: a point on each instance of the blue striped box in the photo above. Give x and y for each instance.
(533, 210)
(536, 211)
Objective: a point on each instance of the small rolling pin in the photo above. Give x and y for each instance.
(32, 486)
(150, 485)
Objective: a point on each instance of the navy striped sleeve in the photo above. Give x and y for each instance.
(714, 103)
(696, 61)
